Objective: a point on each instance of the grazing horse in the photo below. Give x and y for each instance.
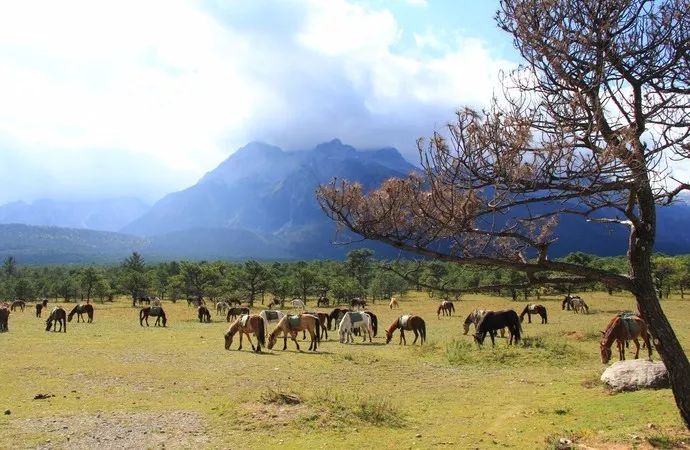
(271, 315)
(275, 302)
(21, 304)
(298, 303)
(234, 312)
(402, 323)
(222, 307)
(79, 310)
(534, 309)
(40, 306)
(247, 324)
(474, 318)
(393, 303)
(335, 315)
(155, 311)
(358, 303)
(323, 320)
(323, 301)
(291, 325)
(195, 301)
(622, 328)
(446, 307)
(57, 316)
(204, 314)
(495, 320)
(352, 320)
(4, 318)
(575, 303)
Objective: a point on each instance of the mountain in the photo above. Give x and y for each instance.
(105, 214)
(53, 245)
(268, 191)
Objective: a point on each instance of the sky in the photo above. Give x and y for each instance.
(131, 98)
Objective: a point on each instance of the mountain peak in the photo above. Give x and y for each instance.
(336, 148)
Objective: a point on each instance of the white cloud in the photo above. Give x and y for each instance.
(171, 86)
(418, 3)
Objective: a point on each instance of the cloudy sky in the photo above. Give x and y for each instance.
(143, 97)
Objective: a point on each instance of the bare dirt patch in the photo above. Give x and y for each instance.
(108, 430)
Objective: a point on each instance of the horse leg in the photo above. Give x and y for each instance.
(294, 339)
(249, 338)
(284, 340)
(416, 335)
(402, 337)
(529, 317)
(493, 343)
(637, 348)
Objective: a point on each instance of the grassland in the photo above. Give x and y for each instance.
(116, 384)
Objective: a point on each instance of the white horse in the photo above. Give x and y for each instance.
(474, 317)
(298, 303)
(222, 307)
(270, 316)
(353, 320)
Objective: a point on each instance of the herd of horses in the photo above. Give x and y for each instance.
(353, 321)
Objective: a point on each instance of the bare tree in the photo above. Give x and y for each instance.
(587, 126)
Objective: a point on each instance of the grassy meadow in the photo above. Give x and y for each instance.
(115, 384)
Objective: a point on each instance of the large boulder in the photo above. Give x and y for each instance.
(636, 374)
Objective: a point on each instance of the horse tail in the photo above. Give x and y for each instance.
(422, 331)
(516, 332)
(318, 329)
(261, 332)
(375, 324)
(546, 317)
(452, 306)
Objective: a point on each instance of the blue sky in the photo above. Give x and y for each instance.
(102, 99)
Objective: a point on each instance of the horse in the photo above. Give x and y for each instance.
(495, 320)
(473, 318)
(144, 299)
(222, 307)
(533, 309)
(40, 306)
(247, 324)
(234, 312)
(352, 320)
(358, 303)
(21, 304)
(155, 311)
(195, 301)
(578, 305)
(446, 307)
(322, 301)
(204, 314)
(298, 303)
(335, 315)
(293, 324)
(407, 322)
(622, 328)
(271, 315)
(4, 319)
(275, 302)
(374, 321)
(323, 320)
(79, 310)
(57, 316)
(393, 303)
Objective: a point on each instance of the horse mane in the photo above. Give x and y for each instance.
(607, 337)
(524, 311)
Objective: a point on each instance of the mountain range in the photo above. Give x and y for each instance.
(259, 203)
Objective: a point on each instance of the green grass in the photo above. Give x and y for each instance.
(127, 385)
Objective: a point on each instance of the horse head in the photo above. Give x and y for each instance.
(272, 338)
(389, 336)
(479, 337)
(605, 353)
(229, 335)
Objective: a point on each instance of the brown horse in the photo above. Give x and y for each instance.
(4, 318)
(446, 307)
(291, 325)
(495, 320)
(57, 316)
(402, 323)
(155, 311)
(323, 320)
(79, 310)
(534, 309)
(235, 312)
(393, 303)
(40, 306)
(622, 328)
(247, 324)
(204, 314)
(21, 304)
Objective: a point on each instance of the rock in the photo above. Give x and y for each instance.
(564, 444)
(8, 412)
(636, 374)
(417, 435)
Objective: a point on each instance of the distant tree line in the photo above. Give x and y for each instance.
(359, 275)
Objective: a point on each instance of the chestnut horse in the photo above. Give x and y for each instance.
(622, 328)
(291, 325)
(57, 316)
(204, 314)
(79, 310)
(40, 306)
(247, 324)
(534, 309)
(393, 303)
(4, 318)
(446, 307)
(155, 311)
(402, 323)
(495, 320)
(21, 304)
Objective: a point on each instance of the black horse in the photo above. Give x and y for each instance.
(155, 311)
(58, 316)
(335, 315)
(495, 320)
(40, 306)
(80, 310)
(234, 312)
(204, 314)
